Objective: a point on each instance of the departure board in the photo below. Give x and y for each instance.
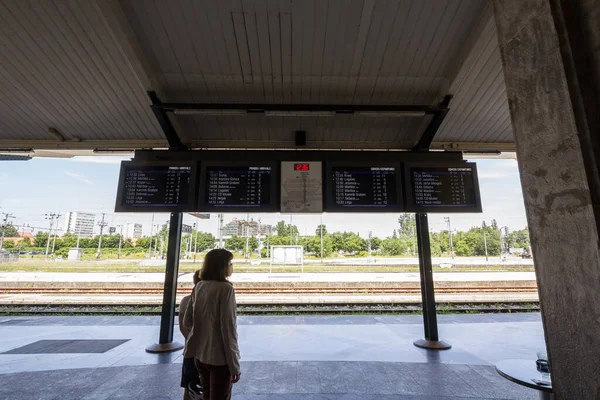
(443, 188)
(363, 188)
(156, 187)
(238, 187)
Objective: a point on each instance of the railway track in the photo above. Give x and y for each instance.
(288, 309)
(269, 290)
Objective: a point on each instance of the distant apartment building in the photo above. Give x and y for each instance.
(80, 223)
(243, 228)
(133, 231)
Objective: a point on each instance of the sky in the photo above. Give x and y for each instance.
(31, 189)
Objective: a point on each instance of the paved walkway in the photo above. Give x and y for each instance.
(287, 357)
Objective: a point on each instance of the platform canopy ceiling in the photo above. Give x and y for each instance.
(76, 74)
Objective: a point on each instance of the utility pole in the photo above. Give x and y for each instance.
(6, 217)
(220, 231)
(52, 217)
(370, 236)
(156, 241)
(321, 233)
(247, 225)
(195, 241)
(447, 219)
(22, 238)
(101, 224)
(291, 231)
(485, 241)
(120, 241)
(151, 232)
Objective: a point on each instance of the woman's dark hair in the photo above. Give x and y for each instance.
(216, 263)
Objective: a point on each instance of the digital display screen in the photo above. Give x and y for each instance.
(451, 188)
(302, 167)
(150, 188)
(238, 187)
(364, 187)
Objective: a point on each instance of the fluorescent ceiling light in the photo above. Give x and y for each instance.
(210, 112)
(389, 114)
(299, 113)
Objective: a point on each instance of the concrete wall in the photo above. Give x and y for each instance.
(557, 161)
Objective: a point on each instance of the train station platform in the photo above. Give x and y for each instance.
(283, 357)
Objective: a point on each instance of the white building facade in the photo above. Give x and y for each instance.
(133, 231)
(80, 223)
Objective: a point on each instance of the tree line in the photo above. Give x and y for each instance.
(401, 242)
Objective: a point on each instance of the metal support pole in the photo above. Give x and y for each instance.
(167, 318)
(120, 242)
(431, 340)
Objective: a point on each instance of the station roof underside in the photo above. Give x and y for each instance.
(75, 75)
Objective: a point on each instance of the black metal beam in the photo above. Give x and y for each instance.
(435, 123)
(173, 139)
(337, 108)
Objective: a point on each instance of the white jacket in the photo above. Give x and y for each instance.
(211, 319)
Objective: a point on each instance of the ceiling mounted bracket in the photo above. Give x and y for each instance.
(429, 133)
(169, 131)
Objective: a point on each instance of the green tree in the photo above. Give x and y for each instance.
(143, 242)
(40, 239)
(88, 243)
(321, 228)
(393, 246)
(375, 243)
(313, 245)
(68, 240)
(206, 241)
(462, 249)
(110, 241)
(283, 229)
(519, 239)
(407, 224)
(25, 242)
(8, 245)
(9, 231)
(235, 243)
(252, 244)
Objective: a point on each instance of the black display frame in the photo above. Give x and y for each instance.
(410, 207)
(203, 205)
(329, 201)
(192, 190)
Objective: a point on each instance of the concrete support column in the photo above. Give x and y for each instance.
(541, 48)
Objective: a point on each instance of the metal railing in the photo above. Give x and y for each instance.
(8, 257)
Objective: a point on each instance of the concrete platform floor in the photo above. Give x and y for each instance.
(286, 357)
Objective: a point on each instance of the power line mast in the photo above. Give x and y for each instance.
(120, 241)
(447, 219)
(6, 218)
(101, 224)
(51, 217)
(485, 241)
(370, 237)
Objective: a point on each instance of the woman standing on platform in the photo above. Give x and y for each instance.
(211, 319)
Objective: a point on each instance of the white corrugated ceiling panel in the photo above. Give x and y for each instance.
(479, 111)
(60, 67)
(308, 51)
